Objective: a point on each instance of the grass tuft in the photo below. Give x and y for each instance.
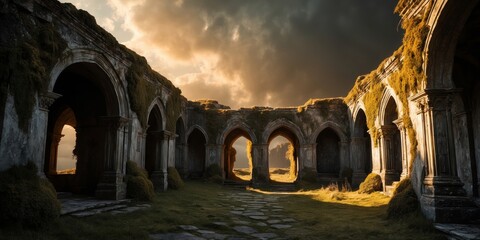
(138, 185)
(26, 200)
(371, 184)
(174, 179)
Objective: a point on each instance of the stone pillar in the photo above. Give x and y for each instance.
(44, 103)
(403, 148)
(387, 135)
(443, 197)
(159, 174)
(305, 159)
(344, 155)
(52, 163)
(358, 158)
(111, 185)
(260, 174)
(214, 155)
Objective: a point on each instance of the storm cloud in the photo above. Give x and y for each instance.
(259, 52)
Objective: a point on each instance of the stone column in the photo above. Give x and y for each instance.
(305, 159)
(358, 158)
(159, 173)
(443, 197)
(214, 155)
(52, 164)
(44, 103)
(403, 148)
(387, 133)
(111, 185)
(260, 174)
(344, 155)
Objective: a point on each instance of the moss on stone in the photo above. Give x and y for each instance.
(26, 61)
(372, 183)
(174, 179)
(138, 185)
(404, 201)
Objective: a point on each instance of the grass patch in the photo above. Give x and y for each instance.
(348, 216)
(326, 214)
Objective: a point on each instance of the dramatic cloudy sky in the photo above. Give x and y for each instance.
(255, 52)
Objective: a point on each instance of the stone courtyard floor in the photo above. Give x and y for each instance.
(253, 216)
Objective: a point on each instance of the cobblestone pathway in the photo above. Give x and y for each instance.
(251, 216)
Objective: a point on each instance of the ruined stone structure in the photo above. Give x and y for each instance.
(59, 68)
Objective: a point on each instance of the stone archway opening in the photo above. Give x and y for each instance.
(180, 147)
(196, 154)
(66, 159)
(328, 155)
(361, 149)
(282, 156)
(238, 156)
(88, 103)
(391, 143)
(466, 118)
(153, 147)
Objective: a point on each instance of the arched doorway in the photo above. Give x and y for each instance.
(180, 147)
(283, 168)
(153, 149)
(237, 155)
(391, 143)
(196, 153)
(466, 118)
(88, 103)
(328, 154)
(361, 149)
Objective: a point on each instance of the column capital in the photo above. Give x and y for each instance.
(46, 100)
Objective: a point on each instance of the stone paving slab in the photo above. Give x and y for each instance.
(460, 231)
(254, 216)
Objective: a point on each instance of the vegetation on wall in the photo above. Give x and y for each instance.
(144, 85)
(405, 81)
(25, 61)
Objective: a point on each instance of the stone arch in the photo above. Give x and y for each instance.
(279, 123)
(233, 131)
(87, 83)
(196, 145)
(157, 104)
(328, 153)
(387, 96)
(392, 138)
(332, 125)
(446, 20)
(360, 148)
(290, 131)
(154, 162)
(117, 97)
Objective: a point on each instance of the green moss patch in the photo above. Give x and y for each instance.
(25, 61)
(138, 185)
(404, 200)
(372, 183)
(27, 200)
